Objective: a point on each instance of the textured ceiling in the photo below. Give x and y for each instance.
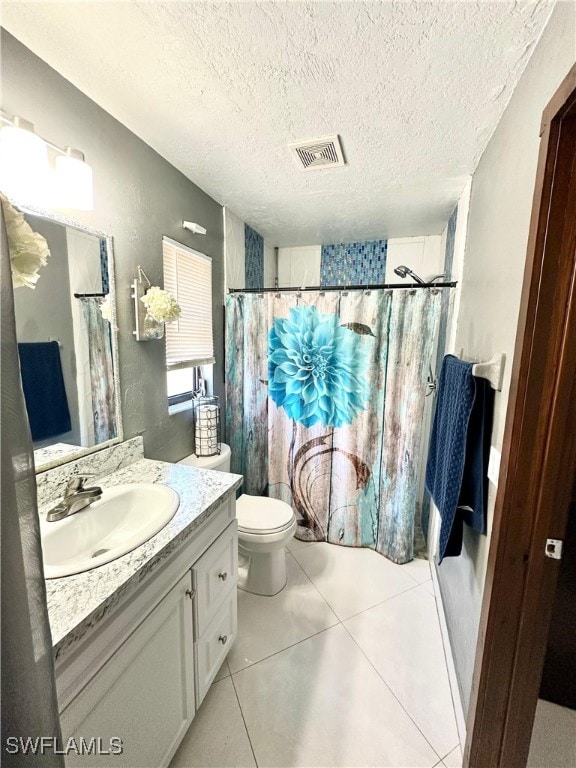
(415, 90)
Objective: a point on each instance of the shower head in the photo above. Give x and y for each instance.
(403, 271)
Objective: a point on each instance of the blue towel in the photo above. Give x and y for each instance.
(473, 498)
(455, 473)
(44, 391)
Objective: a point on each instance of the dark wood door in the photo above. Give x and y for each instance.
(559, 672)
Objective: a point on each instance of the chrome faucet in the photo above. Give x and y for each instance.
(76, 497)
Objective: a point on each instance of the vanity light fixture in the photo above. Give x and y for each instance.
(26, 175)
(197, 229)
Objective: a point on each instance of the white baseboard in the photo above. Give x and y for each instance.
(456, 698)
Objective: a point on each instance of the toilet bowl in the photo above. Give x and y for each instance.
(265, 526)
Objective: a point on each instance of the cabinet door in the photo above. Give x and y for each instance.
(144, 694)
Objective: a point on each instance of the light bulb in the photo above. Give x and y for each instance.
(24, 169)
(73, 181)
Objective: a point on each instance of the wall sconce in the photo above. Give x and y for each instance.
(25, 173)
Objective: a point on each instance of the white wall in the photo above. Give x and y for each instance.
(234, 251)
(487, 315)
(270, 266)
(299, 267)
(424, 255)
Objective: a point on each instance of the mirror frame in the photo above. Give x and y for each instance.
(75, 224)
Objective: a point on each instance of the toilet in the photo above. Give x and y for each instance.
(265, 526)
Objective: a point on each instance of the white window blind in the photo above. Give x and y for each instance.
(188, 275)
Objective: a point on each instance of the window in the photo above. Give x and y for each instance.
(189, 341)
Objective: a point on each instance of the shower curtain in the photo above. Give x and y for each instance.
(324, 407)
(101, 370)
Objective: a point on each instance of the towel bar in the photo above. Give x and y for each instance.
(493, 370)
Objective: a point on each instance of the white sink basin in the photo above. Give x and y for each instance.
(125, 517)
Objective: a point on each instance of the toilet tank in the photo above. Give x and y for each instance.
(221, 461)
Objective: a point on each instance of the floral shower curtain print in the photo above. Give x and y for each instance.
(343, 378)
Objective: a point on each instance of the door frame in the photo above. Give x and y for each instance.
(538, 462)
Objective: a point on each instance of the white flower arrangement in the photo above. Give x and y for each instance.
(161, 305)
(28, 250)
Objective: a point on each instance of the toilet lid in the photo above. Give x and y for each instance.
(260, 514)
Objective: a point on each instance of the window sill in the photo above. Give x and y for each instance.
(186, 405)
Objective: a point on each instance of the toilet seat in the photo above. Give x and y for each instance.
(263, 516)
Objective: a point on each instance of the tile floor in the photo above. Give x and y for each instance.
(345, 667)
(553, 742)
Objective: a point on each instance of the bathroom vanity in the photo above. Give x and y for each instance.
(139, 640)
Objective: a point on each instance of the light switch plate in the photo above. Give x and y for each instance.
(494, 465)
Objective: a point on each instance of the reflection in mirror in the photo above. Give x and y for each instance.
(67, 344)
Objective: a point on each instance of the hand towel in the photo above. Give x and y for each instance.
(458, 454)
(44, 391)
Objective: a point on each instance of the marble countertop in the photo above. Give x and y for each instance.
(78, 603)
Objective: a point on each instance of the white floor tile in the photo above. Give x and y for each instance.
(217, 737)
(418, 569)
(402, 639)
(454, 759)
(267, 625)
(295, 544)
(553, 742)
(350, 579)
(223, 672)
(320, 703)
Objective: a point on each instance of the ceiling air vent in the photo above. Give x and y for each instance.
(316, 154)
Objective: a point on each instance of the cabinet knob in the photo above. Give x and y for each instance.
(223, 639)
(190, 593)
(223, 576)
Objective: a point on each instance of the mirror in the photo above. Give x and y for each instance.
(68, 348)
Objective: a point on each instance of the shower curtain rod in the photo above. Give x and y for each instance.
(321, 288)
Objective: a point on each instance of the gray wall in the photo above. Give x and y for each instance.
(138, 197)
(498, 223)
(40, 318)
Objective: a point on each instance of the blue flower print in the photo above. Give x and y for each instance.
(316, 368)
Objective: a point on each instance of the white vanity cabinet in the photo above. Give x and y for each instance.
(142, 673)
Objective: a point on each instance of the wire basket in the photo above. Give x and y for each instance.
(206, 420)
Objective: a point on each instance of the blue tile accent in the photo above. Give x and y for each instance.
(254, 258)
(354, 263)
(104, 266)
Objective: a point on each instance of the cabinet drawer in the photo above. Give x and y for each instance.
(215, 574)
(211, 648)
